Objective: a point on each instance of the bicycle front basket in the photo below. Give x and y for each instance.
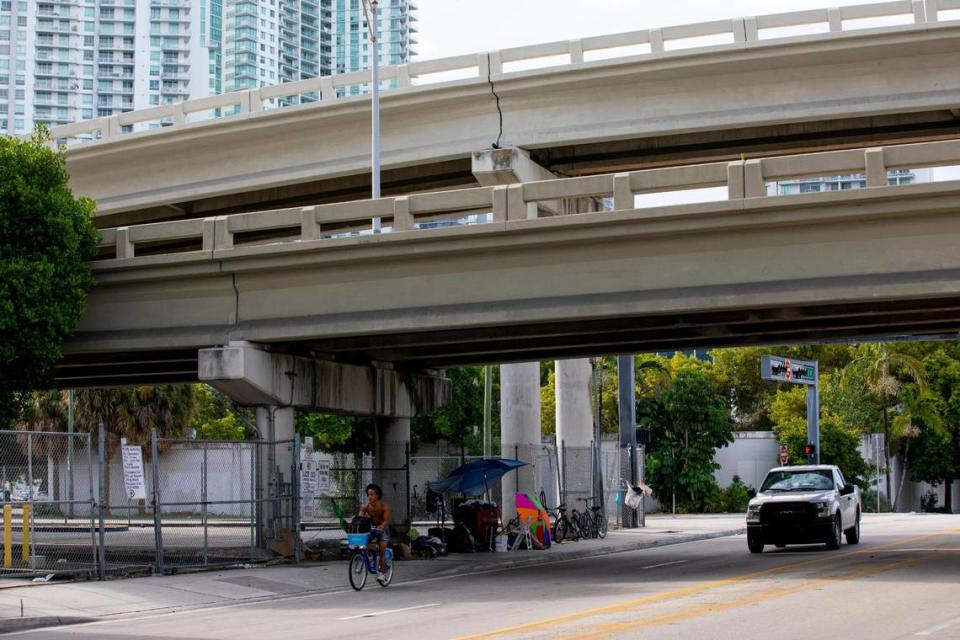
(357, 540)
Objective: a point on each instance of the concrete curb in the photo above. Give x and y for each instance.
(15, 625)
(536, 557)
(466, 567)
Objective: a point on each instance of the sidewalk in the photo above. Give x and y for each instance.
(49, 604)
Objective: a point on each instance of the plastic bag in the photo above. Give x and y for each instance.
(633, 499)
(633, 496)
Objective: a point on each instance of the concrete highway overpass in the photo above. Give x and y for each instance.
(611, 103)
(750, 268)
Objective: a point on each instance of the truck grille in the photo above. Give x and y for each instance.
(787, 513)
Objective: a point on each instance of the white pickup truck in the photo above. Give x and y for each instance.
(803, 505)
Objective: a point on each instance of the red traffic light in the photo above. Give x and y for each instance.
(809, 449)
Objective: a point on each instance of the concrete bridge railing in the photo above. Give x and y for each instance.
(743, 180)
(748, 31)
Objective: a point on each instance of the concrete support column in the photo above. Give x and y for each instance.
(574, 427)
(276, 427)
(394, 438)
(519, 429)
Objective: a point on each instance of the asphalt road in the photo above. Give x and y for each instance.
(902, 581)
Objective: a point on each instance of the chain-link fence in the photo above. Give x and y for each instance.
(99, 505)
(206, 491)
(47, 504)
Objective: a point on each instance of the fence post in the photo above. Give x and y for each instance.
(157, 519)
(406, 467)
(562, 462)
(516, 456)
(642, 474)
(295, 497)
(70, 441)
(27, 535)
(254, 506)
(93, 529)
(203, 505)
(101, 497)
(7, 536)
(593, 469)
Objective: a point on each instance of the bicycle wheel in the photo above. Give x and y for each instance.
(586, 525)
(600, 522)
(573, 526)
(560, 529)
(357, 570)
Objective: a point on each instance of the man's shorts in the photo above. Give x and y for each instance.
(379, 535)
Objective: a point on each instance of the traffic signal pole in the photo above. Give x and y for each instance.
(813, 419)
(807, 373)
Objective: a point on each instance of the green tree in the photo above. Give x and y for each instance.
(548, 404)
(881, 369)
(839, 444)
(461, 421)
(329, 432)
(936, 455)
(130, 412)
(737, 374)
(46, 239)
(214, 417)
(918, 411)
(693, 424)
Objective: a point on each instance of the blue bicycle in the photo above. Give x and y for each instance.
(363, 562)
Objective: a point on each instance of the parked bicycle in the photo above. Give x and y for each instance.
(565, 527)
(592, 519)
(363, 561)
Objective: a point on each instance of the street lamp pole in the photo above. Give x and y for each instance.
(370, 12)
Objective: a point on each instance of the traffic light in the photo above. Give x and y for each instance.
(809, 450)
(643, 436)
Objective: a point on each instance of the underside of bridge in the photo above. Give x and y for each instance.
(905, 319)
(580, 160)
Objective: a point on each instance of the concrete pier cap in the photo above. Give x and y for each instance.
(252, 375)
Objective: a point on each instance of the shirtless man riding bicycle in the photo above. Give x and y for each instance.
(379, 513)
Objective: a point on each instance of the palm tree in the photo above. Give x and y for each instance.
(916, 408)
(879, 365)
(130, 412)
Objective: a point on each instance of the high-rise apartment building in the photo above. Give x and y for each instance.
(63, 61)
(845, 182)
(351, 47)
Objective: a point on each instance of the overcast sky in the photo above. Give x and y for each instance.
(451, 27)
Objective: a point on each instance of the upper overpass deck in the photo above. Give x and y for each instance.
(682, 94)
(748, 268)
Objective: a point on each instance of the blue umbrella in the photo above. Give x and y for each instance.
(474, 478)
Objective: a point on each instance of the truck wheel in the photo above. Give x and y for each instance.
(853, 533)
(754, 543)
(836, 536)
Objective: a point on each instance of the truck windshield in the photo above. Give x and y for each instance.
(809, 480)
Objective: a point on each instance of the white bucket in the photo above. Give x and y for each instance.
(500, 544)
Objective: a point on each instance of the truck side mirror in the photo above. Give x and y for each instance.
(847, 489)
(751, 493)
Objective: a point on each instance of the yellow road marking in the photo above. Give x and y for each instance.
(696, 611)
(686, 591)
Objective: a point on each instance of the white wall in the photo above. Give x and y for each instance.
(750, 456)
